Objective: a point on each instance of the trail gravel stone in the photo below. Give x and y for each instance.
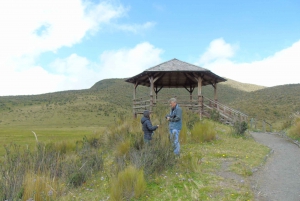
(279, 178)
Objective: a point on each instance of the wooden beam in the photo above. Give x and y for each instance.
(134, 97)
(151, 92)
(200, 98)
(215, 92)
(199, 79)
(191, 77)
(156, 91)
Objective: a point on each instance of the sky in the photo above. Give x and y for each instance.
(57, 45)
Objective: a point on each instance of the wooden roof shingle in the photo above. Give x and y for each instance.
(175, 74)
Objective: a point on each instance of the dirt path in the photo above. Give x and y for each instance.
(279, 178)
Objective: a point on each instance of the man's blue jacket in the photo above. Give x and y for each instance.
(175, 121)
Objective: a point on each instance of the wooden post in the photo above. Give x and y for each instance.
(151, 92)
(200, 99)
(215, 92)
(134, 98)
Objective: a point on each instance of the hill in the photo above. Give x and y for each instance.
(110, 98)
(273, 103)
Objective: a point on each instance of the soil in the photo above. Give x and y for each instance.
(279, 178)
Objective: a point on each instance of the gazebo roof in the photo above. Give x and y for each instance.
(175, 74)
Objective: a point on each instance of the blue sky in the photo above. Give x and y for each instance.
(58, 45)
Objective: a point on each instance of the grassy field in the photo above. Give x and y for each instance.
(217, 170)
(23, 135)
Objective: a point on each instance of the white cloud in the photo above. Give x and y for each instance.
(129, 62)
(136, 28)
(31, 81)
(80, 73)
(34, 26)
(281, 68)
(76, 72)
(218, 50)
(29, 28)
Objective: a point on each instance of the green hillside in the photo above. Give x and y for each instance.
(274, 104)
(242, 86)
(69, 108)
(107, 99)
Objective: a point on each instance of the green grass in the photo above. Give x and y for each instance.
(197, 175)
(202, 171)
(22, 135)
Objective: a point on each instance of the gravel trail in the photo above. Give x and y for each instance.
(279, 178)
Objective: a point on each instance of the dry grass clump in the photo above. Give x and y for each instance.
(294, 131)
(123, 148)
(130, 183)
(203, 132)
(40, 187)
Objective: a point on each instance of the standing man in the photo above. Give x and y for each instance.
(175, 124)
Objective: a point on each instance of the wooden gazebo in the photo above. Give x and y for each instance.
(174, 74)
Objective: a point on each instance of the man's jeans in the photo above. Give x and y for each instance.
(174, 137)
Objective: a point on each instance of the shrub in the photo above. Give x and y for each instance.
(203, 132)
(191, 119)
(130, 183)
(183, 134)
(286, 124)
(46, 159)
(77, 179)
(240, 127)
(190, 162)
(12, 171)
(294, 131)
(214, 115)
(123, 148)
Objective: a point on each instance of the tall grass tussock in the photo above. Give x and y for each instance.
(294, 131)
(128, 184)
(203, 132)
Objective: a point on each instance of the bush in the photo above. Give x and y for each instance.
(183, 134)
(203, 132)
(294, 131)
(155, 158)
(214, 115)
(123, 148)
(191, 119)
(240, 127)
(46, 159)
(12, 171)
(130, 183)
(77, 179)
(189, 162)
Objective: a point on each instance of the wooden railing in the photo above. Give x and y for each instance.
(141, 104)
(226, 113)
(260, 124)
